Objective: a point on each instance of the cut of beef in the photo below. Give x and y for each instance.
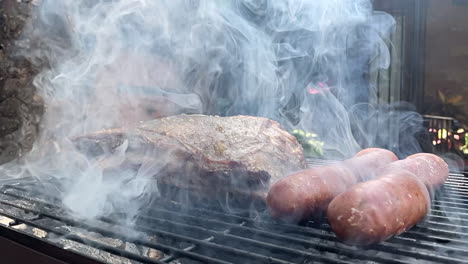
(201, 158)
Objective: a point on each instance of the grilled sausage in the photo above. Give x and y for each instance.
(308, 192)
(367, 163)
(373, 211)
(434, 173)
(432, 170)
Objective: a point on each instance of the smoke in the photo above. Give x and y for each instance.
(397, 127)
(113, 63)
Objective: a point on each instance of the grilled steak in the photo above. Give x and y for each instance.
(204, 158)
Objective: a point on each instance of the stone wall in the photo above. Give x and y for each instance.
(20, 107)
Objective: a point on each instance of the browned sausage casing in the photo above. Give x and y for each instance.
(432, 170)
(373, 211)
(308, 192)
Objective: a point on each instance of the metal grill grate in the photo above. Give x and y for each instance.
(173, 233)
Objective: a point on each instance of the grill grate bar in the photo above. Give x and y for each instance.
(225, 234)
(451, 191)
(68, 221)
(430, 239)
(456, 186)
(450, 209)
(86, 241)
(424, 247)
(456, 176)
(392, 247)
(454, 196)
(453, 201)
(158, 232)
(456, 181)
(168, 259)
(448, 226)
(458, 219)
(222, 235)
(282, 238)
(428, 256)
(451, 215)
(254, 243)
(26, 198)
(218, 237)
(460, 247)
(308, 231)
(435, 238)
(107, 232)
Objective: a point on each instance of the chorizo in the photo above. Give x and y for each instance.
(373, 211)
(306, 193)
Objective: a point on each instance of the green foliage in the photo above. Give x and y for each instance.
(309, 141)
(464, 148)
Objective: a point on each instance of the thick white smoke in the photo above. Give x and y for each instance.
(116, 62)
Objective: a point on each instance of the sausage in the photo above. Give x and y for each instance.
(434, 173)
(367, 163)
(373, 211)
(366, 201)
(432, 170)
(308, 192)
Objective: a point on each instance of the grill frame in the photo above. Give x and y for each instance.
(312, 240)
(20, 247)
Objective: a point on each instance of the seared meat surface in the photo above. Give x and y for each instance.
(197, 157)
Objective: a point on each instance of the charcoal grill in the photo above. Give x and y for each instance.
(33, 228)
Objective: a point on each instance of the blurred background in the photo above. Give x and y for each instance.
(431, 42)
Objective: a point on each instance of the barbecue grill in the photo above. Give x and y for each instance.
(34, 228)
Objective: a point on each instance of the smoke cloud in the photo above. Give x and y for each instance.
(113, 63)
